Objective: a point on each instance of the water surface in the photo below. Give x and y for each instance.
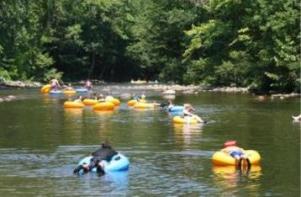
(41, 143)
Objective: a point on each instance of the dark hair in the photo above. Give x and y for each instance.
(106, 144)
(163, 105)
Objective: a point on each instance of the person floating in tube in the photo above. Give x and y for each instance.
(88, 84)
(170, 105)
(104, 153)
(231, 148)
(189, 112)
(54, 83)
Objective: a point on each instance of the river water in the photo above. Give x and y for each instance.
(41, 143)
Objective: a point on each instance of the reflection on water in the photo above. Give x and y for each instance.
(229, 172)
(73, 112)
(104, 113)
(186, 132)
(230, 180)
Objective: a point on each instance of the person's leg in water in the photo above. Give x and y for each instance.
(246, 161)
(100, 169)
(77, 169)
(93, 163)
(84, 167)
(244, 166)
(237, 155)
(243, 162)
(98, 164)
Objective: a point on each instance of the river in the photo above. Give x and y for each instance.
(41, 143)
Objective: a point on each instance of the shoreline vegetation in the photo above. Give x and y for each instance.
(166, 89)
(220, 43)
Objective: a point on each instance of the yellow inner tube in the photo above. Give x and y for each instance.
(114, 101)
(220, 158)
(69, 92)
(90, 101)
(144, 105)
(132, 102)
(180, 120)
(46, 88)
(104, 106)
(72, 104)
(142, 101)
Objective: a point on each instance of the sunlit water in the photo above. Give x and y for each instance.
(41, 143)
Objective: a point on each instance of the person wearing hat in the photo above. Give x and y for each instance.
(188, 111)
(231, 148)
(105, 152)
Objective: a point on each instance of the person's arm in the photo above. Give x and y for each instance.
(188, 113)
(57, 83)
(198, 118)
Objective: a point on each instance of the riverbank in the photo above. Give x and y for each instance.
(165, 89)
(175, 88)
(20, 84)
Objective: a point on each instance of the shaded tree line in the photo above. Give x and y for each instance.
(211, 42)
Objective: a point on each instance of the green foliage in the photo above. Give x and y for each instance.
(158, 38)
(216, 42)
(247, 43)
(22, 53)
(52, 74)
(4, 75)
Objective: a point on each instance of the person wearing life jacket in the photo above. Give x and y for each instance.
(189, 112)
(104, 153)
(88, 84)
(54, 83)
(231, 148)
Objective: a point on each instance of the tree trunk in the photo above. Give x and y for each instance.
(92, 64)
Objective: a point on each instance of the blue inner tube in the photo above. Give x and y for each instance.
(118, 163)
(55, 92)
(176, 108)
(81, 90)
